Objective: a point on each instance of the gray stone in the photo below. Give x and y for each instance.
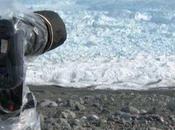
(84, 121)
(75, 105)
(70, 103)
(157, 118)
(171, 105)
(59, 100)
(94, 119)
(67, 114)
(133, 110)
(154, 128)
(172, 117)
(123, 116)
(78, 128)
(79, 106)
(75, 122)
(48, 103)
(104, 97)
(81, 101)
(143, 111)
(112, 99)
(97, 105)
(64, 124)
(88, 99)
(130, 109)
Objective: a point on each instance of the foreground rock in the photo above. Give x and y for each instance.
(82, 109)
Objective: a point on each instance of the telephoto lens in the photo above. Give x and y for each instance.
(27, 35)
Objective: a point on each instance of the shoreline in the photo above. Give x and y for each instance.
(85, 109)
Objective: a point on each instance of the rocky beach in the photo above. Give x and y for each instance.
(87, 109)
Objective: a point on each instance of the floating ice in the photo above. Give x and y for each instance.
(145, 17)
(123, 44)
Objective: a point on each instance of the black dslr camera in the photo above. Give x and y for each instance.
(11, 68)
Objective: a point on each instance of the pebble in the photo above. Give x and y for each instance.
(70, 103)
(79, 107)
(143, 111)
(81, 101)
(104, 97)
(133, 110)
(48, 103)
(88, 99)
(94, 119)
(130, 109)
(84, 118)
(78, 128)
(172, 117)
(112, 99)
(171, 105)
(84, 121)
(154, 128)
(64, 124)
(75, 122)
(67, 114)
(126, 117)
(59, 100)
(97, 105)
(152, 111)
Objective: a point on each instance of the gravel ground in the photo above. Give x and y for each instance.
(84, 109)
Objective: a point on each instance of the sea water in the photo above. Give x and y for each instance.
(111, 44)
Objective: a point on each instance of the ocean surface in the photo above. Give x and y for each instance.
(111, 44)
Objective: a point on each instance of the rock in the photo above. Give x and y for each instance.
(152, 111)
(105, 110)
(79, 107)
(133, 110)
(94, 119)
(42, 120)
(59, 100)
(104, 97)
(64, 124)
(84, 122)
(103, 121)
(157, 118)
(130, 109)
(81, 101)
(171, 105)
(125, 109)
(154, 128)
(75, 122)
(51, 124)
(97, 105)
(84, 118)
(48, 103)
(125, 116)
(78, 128)
(172, 117)
(143, 111)
(67, 114)
(112, 99)
(70, 103)
(88, 99)
(75, 105)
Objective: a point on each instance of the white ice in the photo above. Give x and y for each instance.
(117, 44)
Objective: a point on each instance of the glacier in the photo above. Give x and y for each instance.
(115, 44)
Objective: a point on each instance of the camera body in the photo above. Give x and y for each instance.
(11, 67)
